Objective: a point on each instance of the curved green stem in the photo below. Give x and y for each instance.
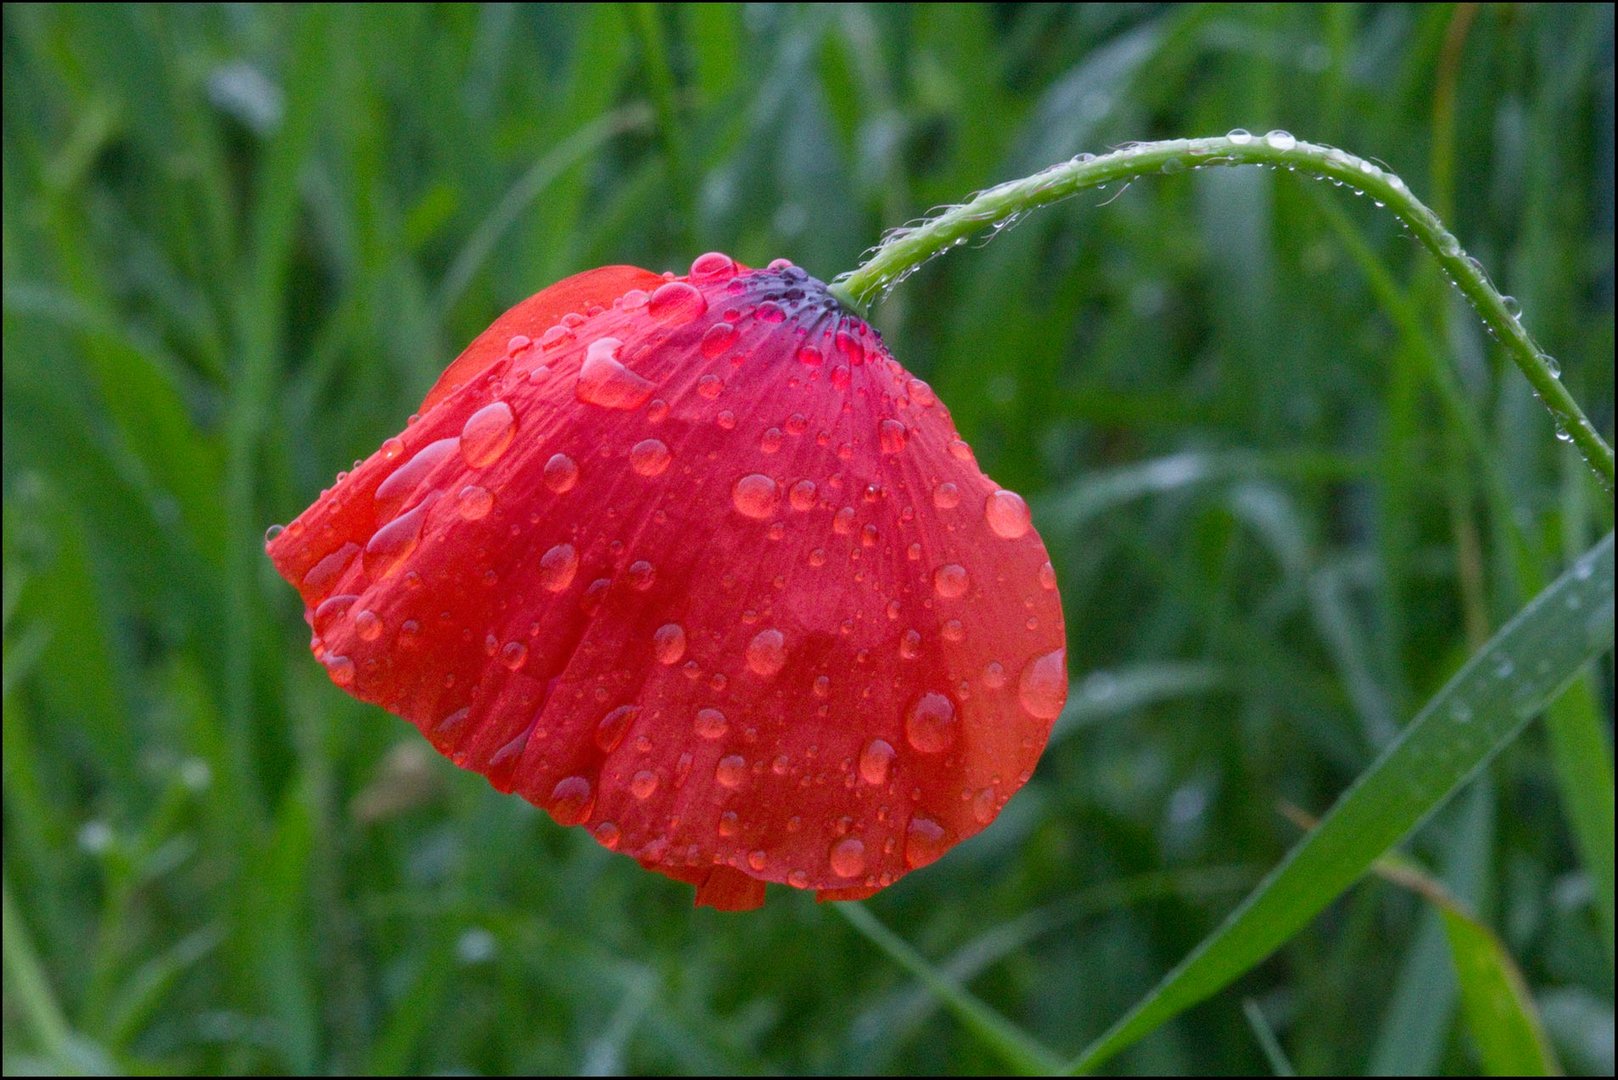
(904, 250)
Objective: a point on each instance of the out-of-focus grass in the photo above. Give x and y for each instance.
(1288, 484)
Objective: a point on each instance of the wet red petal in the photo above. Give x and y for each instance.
(695, 564)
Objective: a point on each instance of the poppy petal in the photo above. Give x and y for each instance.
(703, 569)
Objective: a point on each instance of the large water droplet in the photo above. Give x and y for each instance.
(1043, 686)
(604, 381)
(649, 457)
(394, 542)
(614, 726)
(487, 434)
(561, 473)
(766, 653)
(368, 625)
(1006, 514)
(946, 496)
(676, 302)
(394, 492)
(715, 266)
(951, 580)
(1280, 140)
(848, 857)
(558, 566)
(668, 643)
(572, 800)
(876, 761)
(718, 340)
(893, 436)
(731, 771)
(643, 784)
(711, 724)
(475, 502)
(1239, 136)
(755, 495)
(924, 842)
(930, 725)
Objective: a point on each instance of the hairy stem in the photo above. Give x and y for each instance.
(904, 250)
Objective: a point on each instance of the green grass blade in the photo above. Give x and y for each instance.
(1477, 712)
(1016, 1047)
(1500, 1015)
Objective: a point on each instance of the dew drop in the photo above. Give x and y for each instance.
(1042, 689)
(676, 302)
(641, 575)
(711, 724)
(876, 761)
(718, 340)
(395, 491)
(951, 580)
(649, 457)
(802, 495)
(1239, 136)
(487, 434)
(557, 567)
(341, 670)
(572, 800)
(392, 447)
(614, 726)
(368, 625)
(755, 495)
(668, 643)
(561, 473)
(1006, 514)
(924, 842)
(893, 436)
(605, 382)
(715, 266)
(643, 784)
(710, 386)
(475, 502)
(1280, 140)
(930, 724)
(514, 655)
(848, 857)
(1047, 577)
(910, 645)
(394, 542)
(731, 771)
(766, 653)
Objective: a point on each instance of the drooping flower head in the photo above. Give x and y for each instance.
(695, 564)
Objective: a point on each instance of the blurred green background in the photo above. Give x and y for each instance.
(240, 242)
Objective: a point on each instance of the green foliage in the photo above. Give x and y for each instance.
(1289, 487)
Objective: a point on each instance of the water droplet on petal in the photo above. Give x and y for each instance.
(731, 771)
(572, 800)
(715, 266)
(1047, 576)
(951, 580)
(930, 725)
(676, 302)
(395, 491)
(946, 496)
(893, 436)
(561, 473)
(614, 726)
(848, 857)
(755, 495)
(876, 761)
(718, 340)
(475, 502)
(802, 495)
(605, 382)
(368, 625)
(487, 434)
(1006, 514)
(1239, 136)
(514, 655)
(711, 723)
(394, 542)
(766, 653)
(668, 643)
(558, 566)
(649, 457)
(643, 784)
(924, 842)
(1043, 686)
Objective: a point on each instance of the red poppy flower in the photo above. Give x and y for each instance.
(693, 562)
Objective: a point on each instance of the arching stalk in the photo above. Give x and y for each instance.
(904, 250)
